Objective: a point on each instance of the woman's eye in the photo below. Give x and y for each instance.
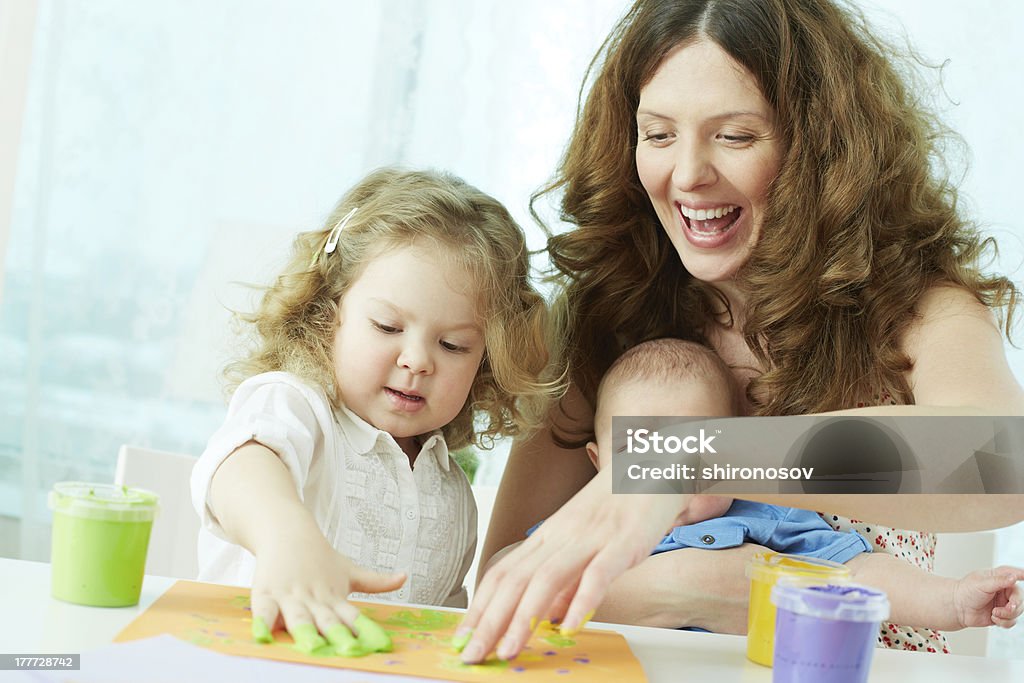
(657, 137)
(736, 138)
(385, 328)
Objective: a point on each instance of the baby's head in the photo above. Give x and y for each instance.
(421, 316)
(663, 377)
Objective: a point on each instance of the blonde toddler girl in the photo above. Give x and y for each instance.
(403, 324)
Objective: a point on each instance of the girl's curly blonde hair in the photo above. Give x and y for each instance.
(294, 326)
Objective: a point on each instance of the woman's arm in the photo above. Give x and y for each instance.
(538, 479)
(958, 359)
(936, 512)
(959, 367)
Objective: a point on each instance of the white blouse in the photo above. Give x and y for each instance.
(356, 481)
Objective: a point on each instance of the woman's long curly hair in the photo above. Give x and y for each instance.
(862, 218)
(294, 326)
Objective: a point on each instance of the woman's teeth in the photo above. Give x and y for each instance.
(706, 214)
(710, 221)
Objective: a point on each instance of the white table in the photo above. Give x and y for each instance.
(33, 622)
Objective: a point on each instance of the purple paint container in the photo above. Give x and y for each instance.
(825, 633)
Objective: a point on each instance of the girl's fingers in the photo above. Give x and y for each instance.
(324, 617)
(348, 614)
(371, 636)
(307, 638)
(260, 631)
(264, 617)
(345, 644)
(299, 622)
(356, 634)
(365, 581)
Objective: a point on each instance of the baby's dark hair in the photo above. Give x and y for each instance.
(666, 362)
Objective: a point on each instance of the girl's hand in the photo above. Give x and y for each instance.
(303, 584)
(300, 580)
(565, 567)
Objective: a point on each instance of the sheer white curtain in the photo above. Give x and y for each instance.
(168, 150)
(172, 149)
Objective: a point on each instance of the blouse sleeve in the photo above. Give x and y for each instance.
(276, 410)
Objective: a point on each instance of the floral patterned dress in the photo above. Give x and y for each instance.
(916, 547)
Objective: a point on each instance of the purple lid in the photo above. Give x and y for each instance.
(838, 602)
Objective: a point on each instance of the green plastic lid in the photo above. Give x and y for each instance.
(103, 501)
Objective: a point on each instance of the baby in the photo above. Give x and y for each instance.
(669, 377)
(404, 329)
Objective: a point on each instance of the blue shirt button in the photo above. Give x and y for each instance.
(707, 539)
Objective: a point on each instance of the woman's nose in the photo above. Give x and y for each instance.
(693, 168)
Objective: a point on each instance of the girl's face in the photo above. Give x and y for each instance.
(706, 153)
(409, 343)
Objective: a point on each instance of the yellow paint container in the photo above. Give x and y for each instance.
(764, 569)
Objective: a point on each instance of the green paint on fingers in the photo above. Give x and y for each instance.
(345, 644)
(260, 632)
(307, 639)
(459, 641)
(372, 636)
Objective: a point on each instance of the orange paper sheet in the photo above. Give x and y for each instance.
(219, 618)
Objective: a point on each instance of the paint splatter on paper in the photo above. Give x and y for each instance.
(219, 618)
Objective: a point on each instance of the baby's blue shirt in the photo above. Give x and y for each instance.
(782, 529)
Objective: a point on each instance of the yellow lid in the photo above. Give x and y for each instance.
(769, 566)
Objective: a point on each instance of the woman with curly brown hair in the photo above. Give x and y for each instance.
(759, 177)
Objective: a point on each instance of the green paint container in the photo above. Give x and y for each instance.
(100, 537)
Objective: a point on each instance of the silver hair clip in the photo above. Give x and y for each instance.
(332, 239)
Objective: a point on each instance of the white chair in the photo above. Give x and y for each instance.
(172, 543)
(955, 556)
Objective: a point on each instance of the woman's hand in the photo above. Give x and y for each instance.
(303, 584)
(563, 570)
(704, 507)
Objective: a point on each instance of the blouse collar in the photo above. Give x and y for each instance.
(364, 437)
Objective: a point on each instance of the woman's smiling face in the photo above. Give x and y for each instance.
(706, 153)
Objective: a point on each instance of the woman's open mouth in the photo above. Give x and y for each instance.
(709, 228)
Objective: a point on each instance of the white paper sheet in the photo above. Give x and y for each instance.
(165, 659)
